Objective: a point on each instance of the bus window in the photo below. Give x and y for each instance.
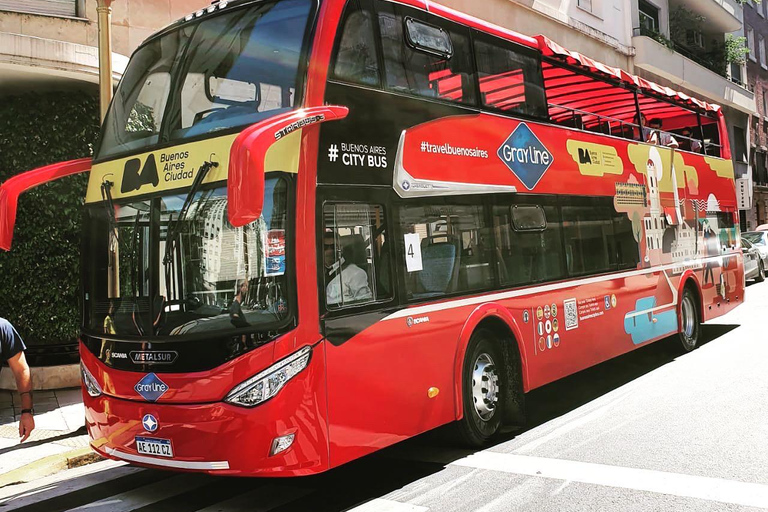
(356, 59)
(412, 70)
(252, 68)
(527, 255)
(355, 255)
(447, 249)
(589, 239)
(140, 100)
(510, 77)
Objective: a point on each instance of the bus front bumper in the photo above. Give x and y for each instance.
(218, 438)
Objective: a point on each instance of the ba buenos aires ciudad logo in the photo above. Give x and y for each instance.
(525, 155)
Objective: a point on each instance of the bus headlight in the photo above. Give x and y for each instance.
(266, 384)
(89, 381)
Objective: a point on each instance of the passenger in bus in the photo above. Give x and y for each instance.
(646, 131)
(351, 282)
(660, 137)
(688, 143)
(236, 315)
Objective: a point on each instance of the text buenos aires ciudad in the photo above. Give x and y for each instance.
(174, 166)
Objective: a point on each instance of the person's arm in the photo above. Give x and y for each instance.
(20, 369)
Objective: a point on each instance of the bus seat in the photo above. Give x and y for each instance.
(440, 262)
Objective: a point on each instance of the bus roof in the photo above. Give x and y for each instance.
(549, 48)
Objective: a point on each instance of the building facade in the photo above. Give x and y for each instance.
(756, 24)
(53, 44)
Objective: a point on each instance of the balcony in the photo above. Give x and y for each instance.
(721, 15)
(684, 69)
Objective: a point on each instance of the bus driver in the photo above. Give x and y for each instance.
(350, 284)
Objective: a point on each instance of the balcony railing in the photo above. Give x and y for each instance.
(716, 65)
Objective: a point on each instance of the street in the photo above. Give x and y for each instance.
(651, 430)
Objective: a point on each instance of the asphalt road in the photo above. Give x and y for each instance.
(651, 430)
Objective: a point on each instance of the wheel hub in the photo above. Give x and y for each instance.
(485, 386)
(688, 319)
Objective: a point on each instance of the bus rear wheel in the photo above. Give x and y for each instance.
(690, 322)
(483, 390)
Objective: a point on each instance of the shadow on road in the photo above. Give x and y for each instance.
(393, 468)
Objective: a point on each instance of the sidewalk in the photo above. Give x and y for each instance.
(59, 428)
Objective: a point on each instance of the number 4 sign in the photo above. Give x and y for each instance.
(413, 252)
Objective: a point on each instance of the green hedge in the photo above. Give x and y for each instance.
(40, 277)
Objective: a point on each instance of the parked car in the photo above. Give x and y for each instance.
(760, 240)
(753, 263)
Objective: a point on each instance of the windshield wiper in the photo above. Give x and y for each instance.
(173, 226)
(109, 204)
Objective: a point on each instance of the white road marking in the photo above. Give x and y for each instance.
(145, 495)
(13, 497)
(675, 484)
(382, 505)
(262, 499)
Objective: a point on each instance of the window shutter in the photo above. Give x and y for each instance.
(53, 7)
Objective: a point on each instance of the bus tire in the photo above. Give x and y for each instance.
(483, 390)
(690, 321)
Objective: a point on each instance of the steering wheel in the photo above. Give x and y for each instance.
(200, 115)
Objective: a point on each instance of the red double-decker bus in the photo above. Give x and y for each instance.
(315, 228)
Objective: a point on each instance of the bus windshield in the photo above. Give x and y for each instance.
(210, 277)
(226, 70)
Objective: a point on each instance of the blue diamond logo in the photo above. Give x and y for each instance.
(151, 388)
(525, 155)
(149, 422)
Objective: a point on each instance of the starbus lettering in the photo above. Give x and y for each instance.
(298, 124)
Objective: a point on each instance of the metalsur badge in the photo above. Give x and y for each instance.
(525, 155)
(151, 388)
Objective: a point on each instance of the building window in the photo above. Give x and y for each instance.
(649, 16)
(585, 4)
(68, 8)
(751, 43)
(739, 144)
(763, 62)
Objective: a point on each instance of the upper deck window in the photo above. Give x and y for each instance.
(412, 68)
(510, 77)
(356, 59)
(222, 72)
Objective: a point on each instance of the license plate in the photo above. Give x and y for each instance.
(154, 446)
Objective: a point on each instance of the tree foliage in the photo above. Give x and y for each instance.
(39, 289)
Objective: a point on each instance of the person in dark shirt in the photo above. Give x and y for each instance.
(236, 315)
(12, 350)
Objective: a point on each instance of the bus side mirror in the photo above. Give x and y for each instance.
(245, 185)
(13, 188)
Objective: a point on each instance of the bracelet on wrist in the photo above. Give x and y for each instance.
(27, 411)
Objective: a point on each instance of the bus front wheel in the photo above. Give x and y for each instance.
(690, 322)
(483, 389)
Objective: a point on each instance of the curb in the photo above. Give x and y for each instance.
(50, 465)
(46, 377)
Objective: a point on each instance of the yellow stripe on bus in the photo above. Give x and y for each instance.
(175, 167)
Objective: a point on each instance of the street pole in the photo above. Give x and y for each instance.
(104, 11)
